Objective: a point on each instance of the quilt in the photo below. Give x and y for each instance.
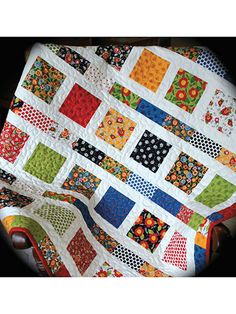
(117, 161)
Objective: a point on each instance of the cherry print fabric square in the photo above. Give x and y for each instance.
(150, 151)
(44, 163)
(221, 113)
(114, 207)
(148, 231)
(114, 55)
(81, 181)
(115, 129)
(186, 90)
(12, 141)
(150, 70)
(80, 105)
(43, 80)
(186, 173)
(81, 251)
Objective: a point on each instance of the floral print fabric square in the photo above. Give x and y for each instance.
(124, 95)
(80, 105)
(227, 158)
(150, 151)
(114, 207)
(44, 163)
(81, 251)
(150, 70)
(218, 191)
(114, 167)
(186, 90)
(186, 173)
(221, 113)
(43, 80)
(178, 128)
(50, 254)
(12, 141)
(148, 231)
(114, 55)
(115, 129)
(107, 271)
(81, 181)
(11, 198)
(74, 59)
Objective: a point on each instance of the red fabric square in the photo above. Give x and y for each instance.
(81, 251)
(80, 105)
(12, 140)
(185, 214)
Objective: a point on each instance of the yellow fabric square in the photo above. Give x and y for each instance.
(150, 70)
(115, 129)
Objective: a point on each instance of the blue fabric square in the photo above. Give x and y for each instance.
(152, 112)
(167, 202)
(139, 184)
(200, 258)
(114, 207)
(85, 213)
(215, 216)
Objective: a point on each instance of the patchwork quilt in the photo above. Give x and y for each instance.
(118, 160)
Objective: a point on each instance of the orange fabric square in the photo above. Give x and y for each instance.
(150, 70)
(115, 129)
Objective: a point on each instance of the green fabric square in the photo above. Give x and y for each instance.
(218, 191)
(44, 163)
(195, 221)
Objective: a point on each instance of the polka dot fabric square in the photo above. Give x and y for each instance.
(218, 191)
(115, 129)
(186, 173)
(80, 105)
(12, 141)
(148, 231)
(81, 181)
(43, 80)
(150, 151)
(44, 163)
(150, 70)
(81, 251)
(61, 218)
(186, 90)
(114, 207)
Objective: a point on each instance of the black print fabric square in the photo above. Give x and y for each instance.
(205, 144)
(7, 177)
(150, 151)
(114, 55)
(89, 151)
(74, 59)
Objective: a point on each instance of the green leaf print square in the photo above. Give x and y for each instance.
(44, 163)
(186, 90)
(218, 191)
